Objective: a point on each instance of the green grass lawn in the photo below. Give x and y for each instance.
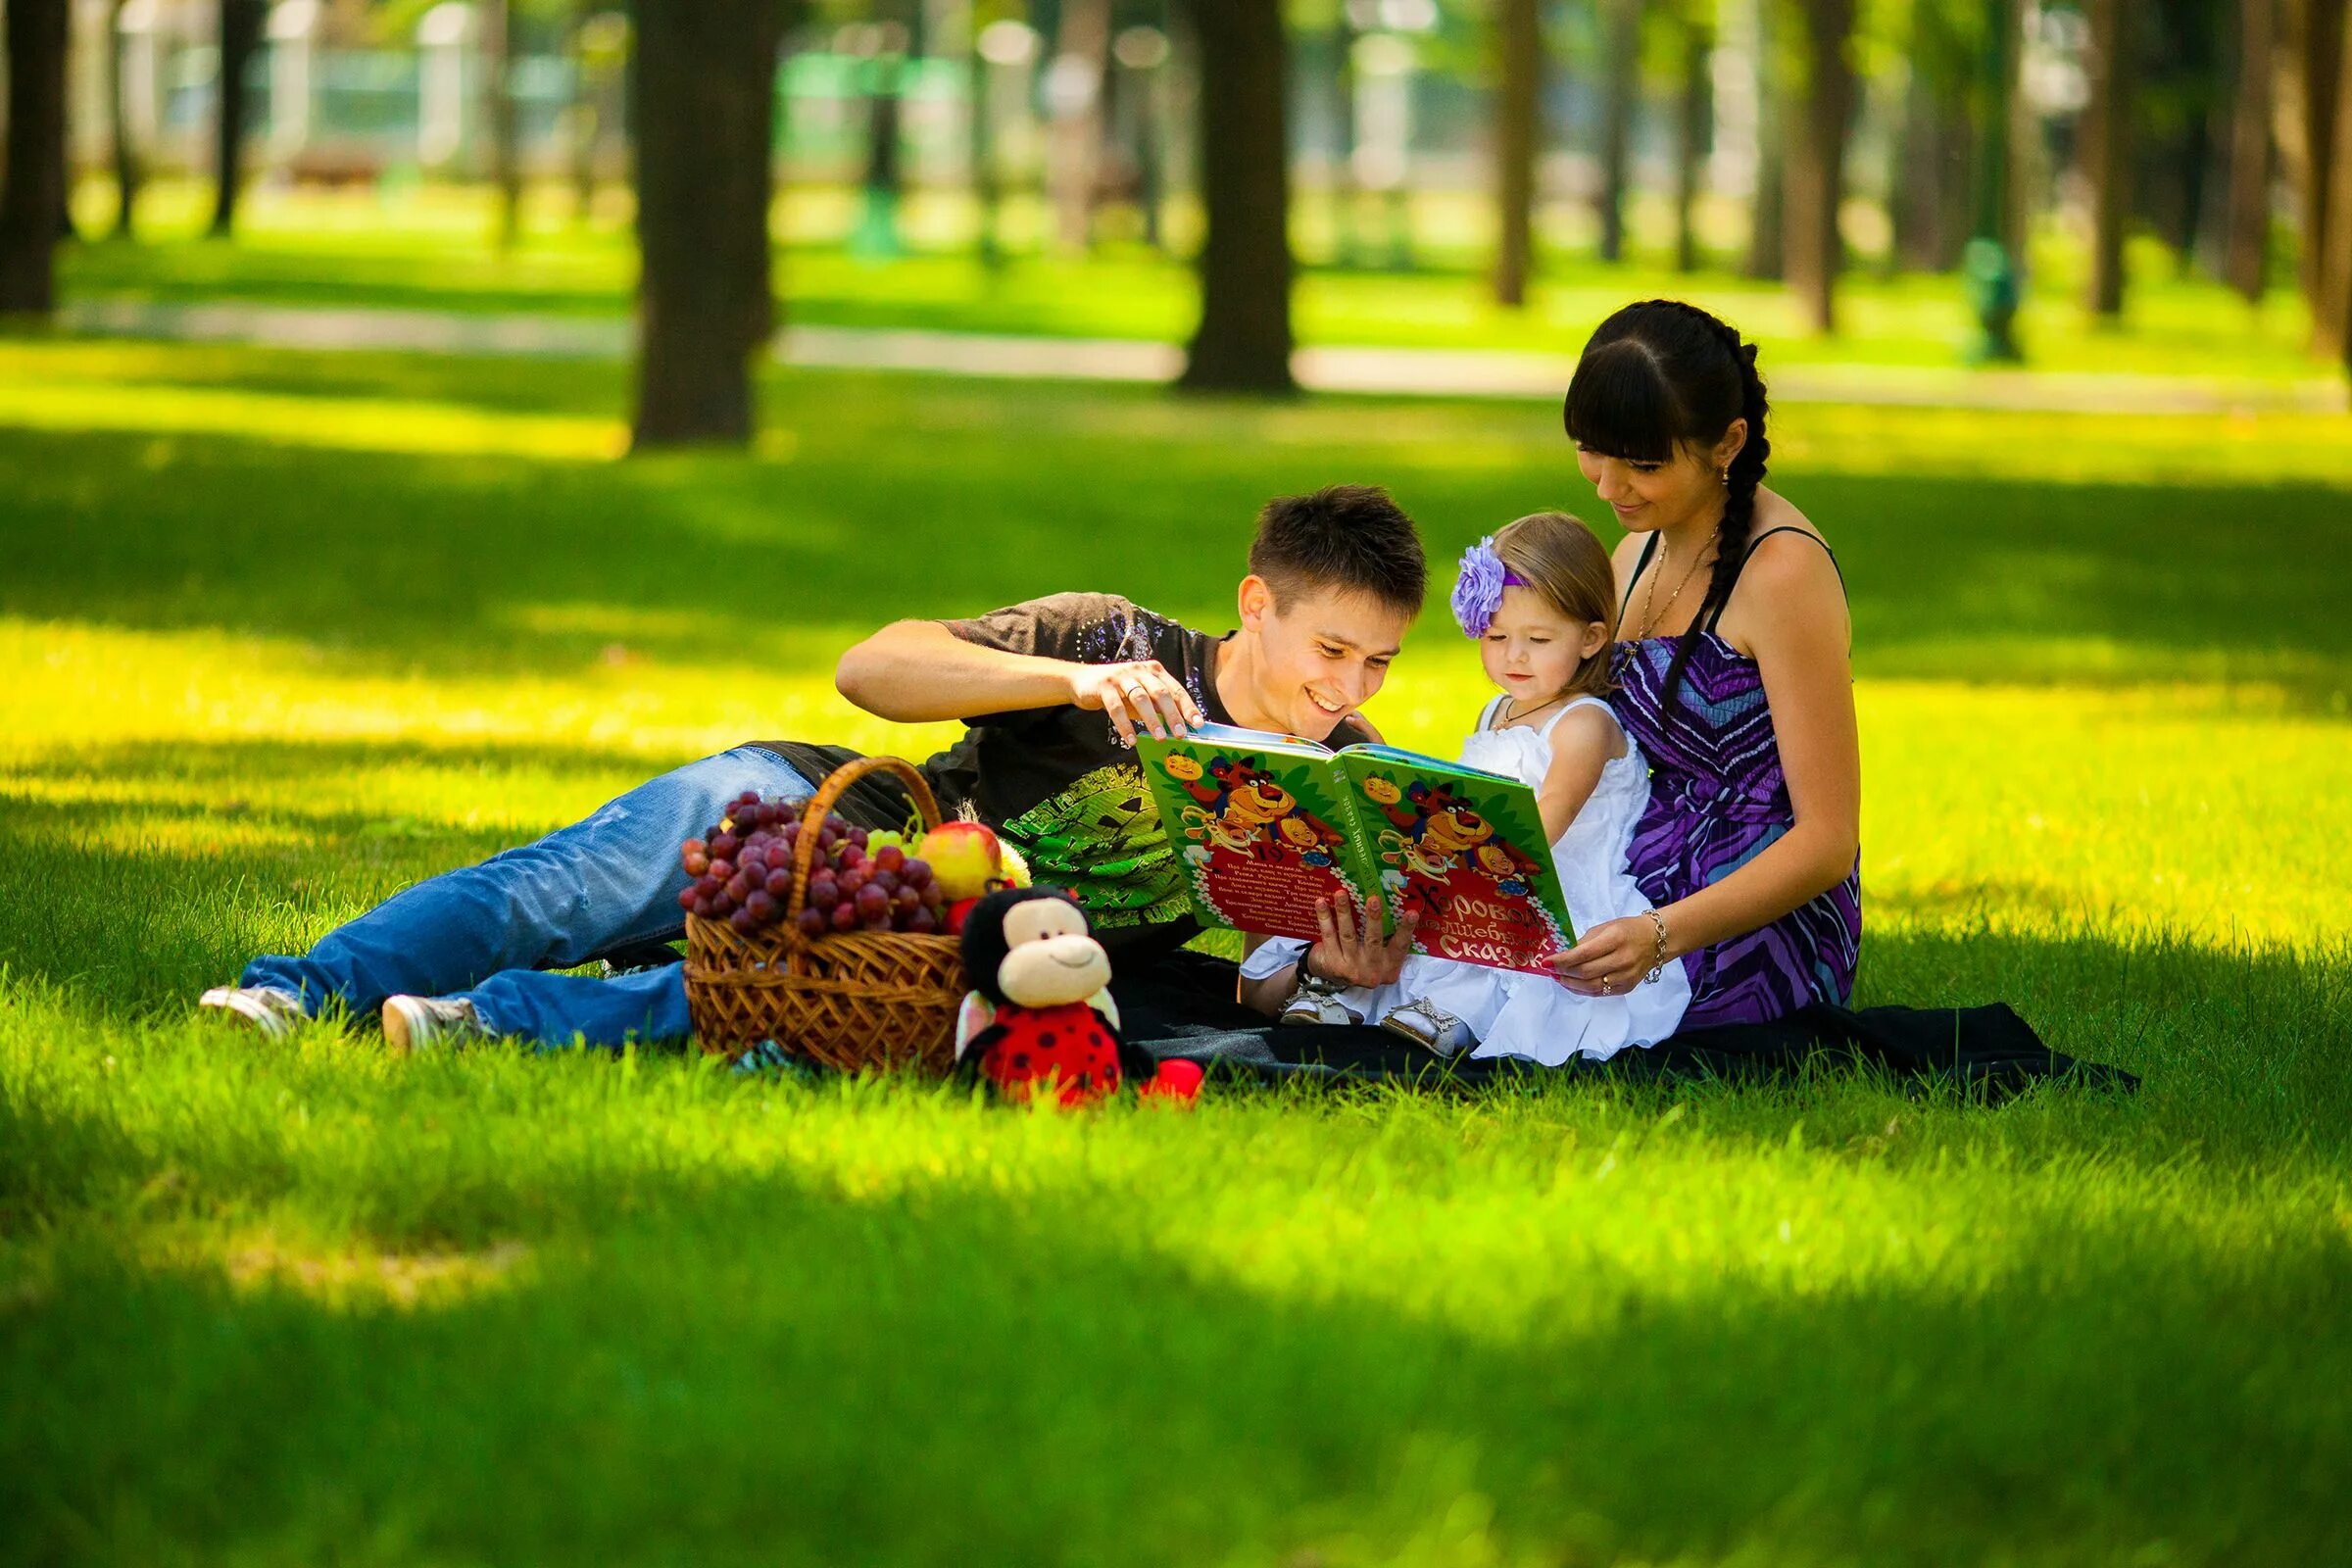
(428, 249)
(280, 635)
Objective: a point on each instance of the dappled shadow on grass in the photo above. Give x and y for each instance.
(893, 497)
(754, 1367)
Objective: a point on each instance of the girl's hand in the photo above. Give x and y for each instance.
(1613, 957)
(1358, 958)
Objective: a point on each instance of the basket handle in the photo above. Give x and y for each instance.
(837, 782)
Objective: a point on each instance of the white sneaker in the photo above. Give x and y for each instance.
(274, 1012)
(1311, 1007)
(422, 1024)
(1425, 1025)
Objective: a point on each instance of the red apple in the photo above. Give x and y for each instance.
(964, 857)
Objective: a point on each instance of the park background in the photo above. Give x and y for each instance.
(548, 393)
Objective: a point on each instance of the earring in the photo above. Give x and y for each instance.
(1726, 476)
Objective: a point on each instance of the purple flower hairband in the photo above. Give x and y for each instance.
(1478, 591)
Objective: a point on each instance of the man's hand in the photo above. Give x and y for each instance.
(1139, 694)
(1358, 958)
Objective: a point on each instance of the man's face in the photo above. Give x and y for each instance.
(1321, 656)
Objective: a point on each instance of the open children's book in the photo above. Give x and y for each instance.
(1265, 824)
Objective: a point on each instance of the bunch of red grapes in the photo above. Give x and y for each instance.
(742, 873)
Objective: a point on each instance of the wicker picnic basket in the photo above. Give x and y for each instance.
(853, 999)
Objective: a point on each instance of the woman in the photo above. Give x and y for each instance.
(1739, 692)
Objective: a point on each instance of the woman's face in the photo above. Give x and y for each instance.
(1647, 496)
(1532, 651)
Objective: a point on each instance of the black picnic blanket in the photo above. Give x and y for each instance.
(1184, 1007)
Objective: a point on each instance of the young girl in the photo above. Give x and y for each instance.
(1539, 598)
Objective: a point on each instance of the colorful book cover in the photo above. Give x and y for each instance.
(1266, 825)
(1465, 851)
(1262, 825)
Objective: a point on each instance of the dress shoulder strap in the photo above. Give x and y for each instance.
(1486, 714)
(1569, 708)
(1649, 548)
(1749, 552)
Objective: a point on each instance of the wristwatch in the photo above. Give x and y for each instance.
(1314, 984)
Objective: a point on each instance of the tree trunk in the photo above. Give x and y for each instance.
(34, 191)
(2107, 152)
(498, 117)
(2332, 311)
(117, 126)
(1345, 194)
(1934, 172)
(1620, 80)
(1814, 252)
(1768, 211)
(1244, 340)
(704, 117)
(1079, 70)
(1519, 82)
(2306, 97)
(240, 37)
(1691, 141)
(2247, 248)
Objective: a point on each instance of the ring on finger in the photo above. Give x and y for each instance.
(1607, 985)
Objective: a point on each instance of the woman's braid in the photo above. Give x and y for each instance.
(1745, 474)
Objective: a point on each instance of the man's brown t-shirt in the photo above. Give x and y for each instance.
(1056, 781)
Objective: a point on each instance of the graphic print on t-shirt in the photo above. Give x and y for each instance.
(1099, 838)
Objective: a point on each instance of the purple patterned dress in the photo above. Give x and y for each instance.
(1717, 797)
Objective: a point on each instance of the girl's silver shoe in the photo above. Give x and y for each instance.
(1310, 1006)
(1425, 1025)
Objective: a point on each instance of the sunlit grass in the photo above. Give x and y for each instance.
(430, 247)
(282, 1303)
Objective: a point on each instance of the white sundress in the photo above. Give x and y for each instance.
(1533, 1015)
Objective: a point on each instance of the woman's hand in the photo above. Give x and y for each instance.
(1353, 957)
(1139, 694)
(1613, 957)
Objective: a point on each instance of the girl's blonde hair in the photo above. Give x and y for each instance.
(1558, 557)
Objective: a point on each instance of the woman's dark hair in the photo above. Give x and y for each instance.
(1345, 537)
(1658, 378)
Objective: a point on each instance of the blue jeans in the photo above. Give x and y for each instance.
(488, 932)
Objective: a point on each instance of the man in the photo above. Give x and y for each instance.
(1053, 691)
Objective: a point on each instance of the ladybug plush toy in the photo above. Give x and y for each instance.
(1038, 1010)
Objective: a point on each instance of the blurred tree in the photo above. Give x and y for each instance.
(2246, 240)
(1814, 253)
(1518, 44)
(117, 126)
(704, 109)
(1620, 92)
(888, 46)
(1695, 41)
(2332, 306)
(1347, 245)
(2310, 62)
(34, 191)
(499, 117)
(598, 39)
(1074, 98)
(1244, 340)
(1937, 43)
(2107, 149)
(1767, 226)
(2179, 129)
(1989, 261)
(240, 41)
